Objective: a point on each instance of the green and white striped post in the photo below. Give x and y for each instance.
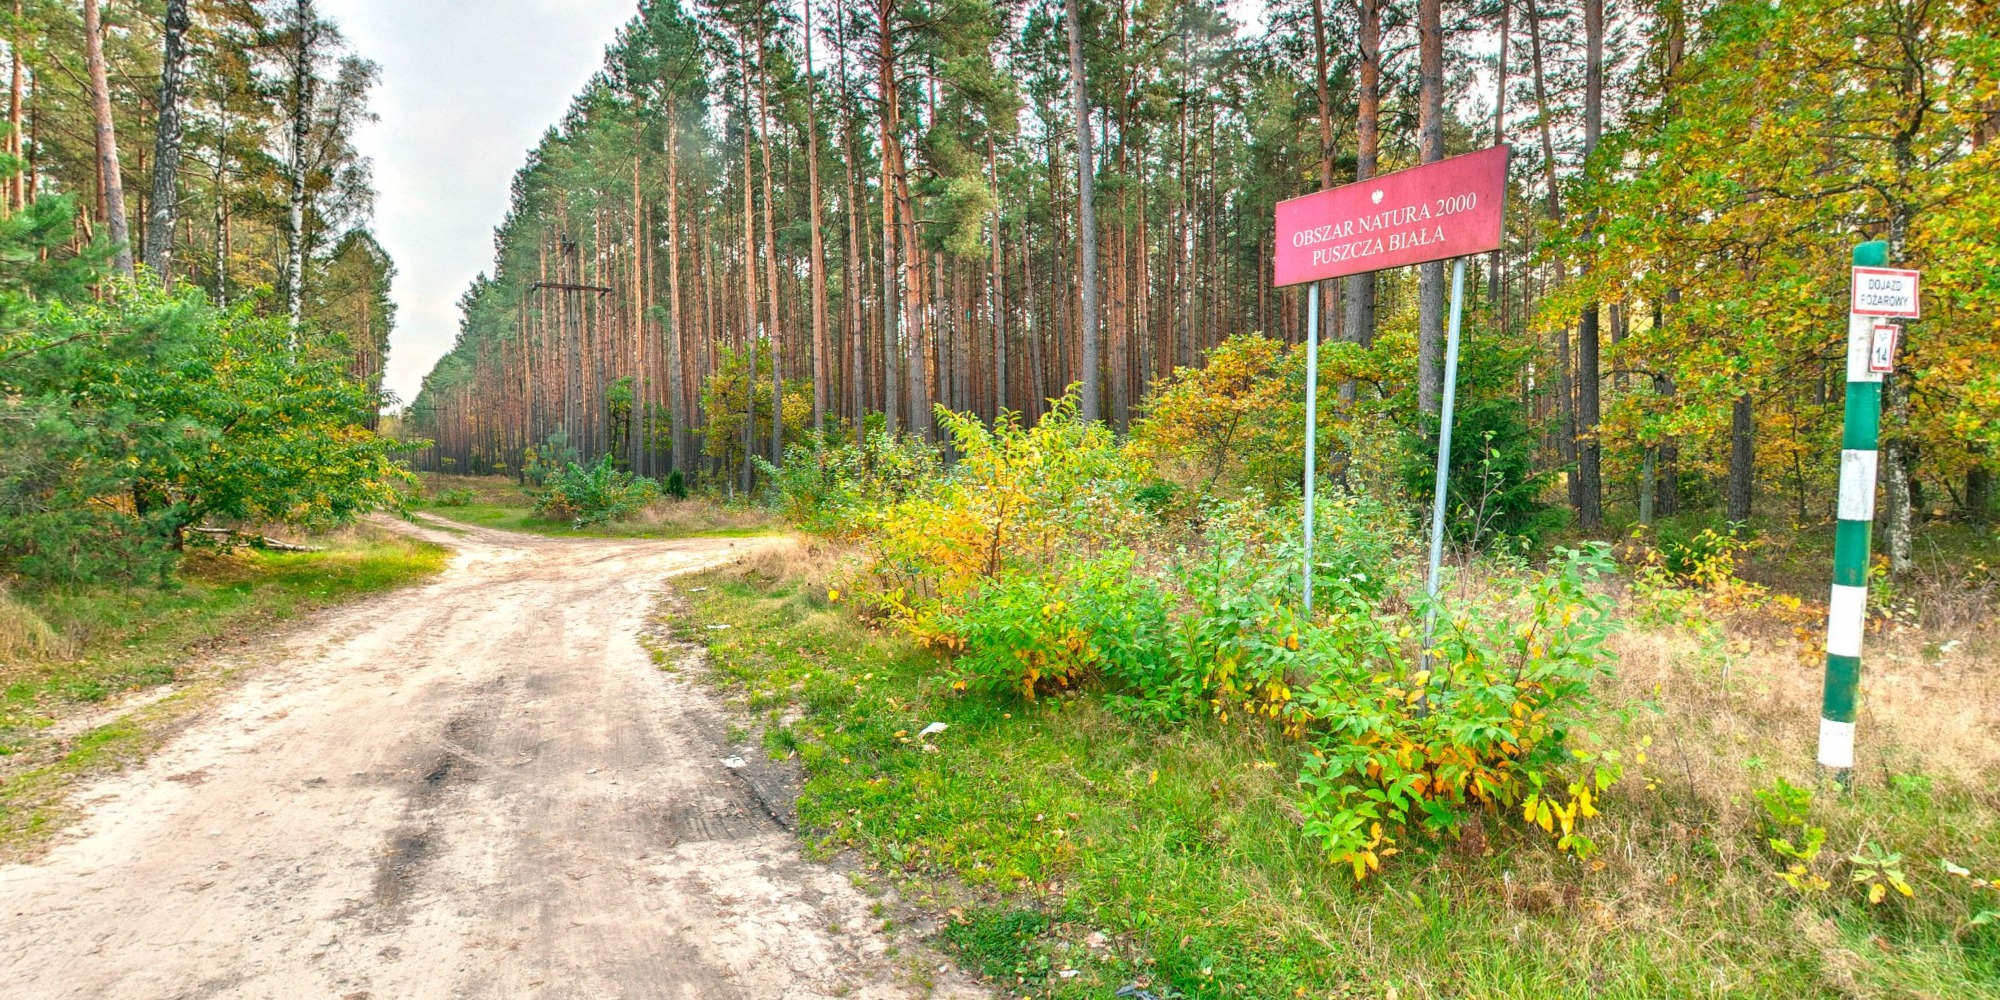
(1847, 610)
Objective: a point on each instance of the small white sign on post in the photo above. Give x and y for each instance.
(1884, 291)
(1882, 348)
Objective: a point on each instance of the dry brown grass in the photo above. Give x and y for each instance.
(497, 490)
(24, 636)
(812, 565)
(699, 514)
(1929, 705)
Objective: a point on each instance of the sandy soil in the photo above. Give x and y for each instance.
(478, 788)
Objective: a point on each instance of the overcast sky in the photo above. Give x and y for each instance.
(467, 89)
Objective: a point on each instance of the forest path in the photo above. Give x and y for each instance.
(481, 787)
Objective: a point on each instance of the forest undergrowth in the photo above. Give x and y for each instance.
(506, 504)
(1074, 704)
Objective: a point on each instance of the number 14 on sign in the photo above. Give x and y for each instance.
(1882, 348)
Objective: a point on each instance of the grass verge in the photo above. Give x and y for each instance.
(500, 503)
(91, 645)
(1073, 851)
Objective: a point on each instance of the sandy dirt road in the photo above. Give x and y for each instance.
(482, 787)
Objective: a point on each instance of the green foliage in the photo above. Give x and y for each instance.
(127, 419)
(1703, 556)
(549, 458)
(1018, 497)
(454, 498)
(1234, 422)
(1792, 836)
(1000, 942)
(1702, 205)
(675, 485)
(1182, 845)
(590, 495)
(1483, 727)
(1026, 631)
(836, 488)
(1877, 871)
(1496, 495)
(724, 400)
(1242, 634)
(1025, 562)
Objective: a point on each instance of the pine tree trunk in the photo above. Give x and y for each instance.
(1898, 473)
(1742, 461)
(893, 268)
(1494, 292)
(916, 332)
(749, 293)
(1360, 322)
(1323, 91)
(1086, 184)
(1979, 490)
(17, 182)
(107, 140)
(1565, 386)
(771, 262)
(1590, 486)
(1430, 277)
(820, 368)
(998, 285)
(637, 421)
(677, 408)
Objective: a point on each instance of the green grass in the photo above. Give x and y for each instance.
(499, 503)
(122, 639)
(1038, 825)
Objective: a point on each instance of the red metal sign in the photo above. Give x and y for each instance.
(1440, 210)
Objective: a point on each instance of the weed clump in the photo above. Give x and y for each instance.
(587, 495)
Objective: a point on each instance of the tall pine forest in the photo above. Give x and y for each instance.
(254, 105)
(876, 209)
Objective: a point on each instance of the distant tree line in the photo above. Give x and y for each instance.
(764, 222)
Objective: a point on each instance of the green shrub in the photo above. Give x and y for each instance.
(1018, 497)
(1496, 495)
(1026, 631)
(132, 416)
(1157, 497)
(838, 488)
(1036, 562)
(676, 485)
(454, 498)
(595, 494)
(1241, 635)
(549, 458)
(1701, 554)
(1485, 728)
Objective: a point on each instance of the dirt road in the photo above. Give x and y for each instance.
(482, 787)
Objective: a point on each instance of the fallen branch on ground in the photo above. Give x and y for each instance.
(259, 541)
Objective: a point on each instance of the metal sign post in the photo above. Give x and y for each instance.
(1877, 291)
(1447, 210)
(1444, 453)
(1312, 433)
